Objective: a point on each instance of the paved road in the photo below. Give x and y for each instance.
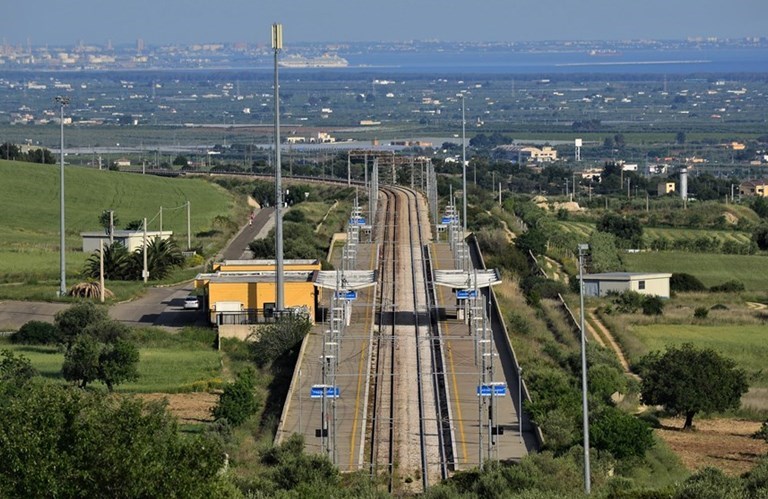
(162, 307)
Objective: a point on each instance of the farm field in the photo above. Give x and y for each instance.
(710, 268)
(584, 229)
(29, 212)
(167, 370)
(747, 345)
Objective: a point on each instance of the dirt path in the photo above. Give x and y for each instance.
(606, 334)
(333, 207)
(756, 306)
(594, 335)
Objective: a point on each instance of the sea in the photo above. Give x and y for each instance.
(634, 61)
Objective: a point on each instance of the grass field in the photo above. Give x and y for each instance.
(29, 212)
(710, 268)
(745, 344)
(166, 366)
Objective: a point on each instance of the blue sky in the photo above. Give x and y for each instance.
(190, 21)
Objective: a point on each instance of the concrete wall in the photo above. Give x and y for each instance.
(239, 331)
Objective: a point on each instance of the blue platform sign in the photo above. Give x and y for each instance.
(499, 390)
(331, 392)
(347, 295)
(357, 221)
(447, 220)
(463, 294)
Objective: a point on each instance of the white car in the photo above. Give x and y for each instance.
(191, 303)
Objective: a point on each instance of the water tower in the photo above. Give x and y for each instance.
(684, 183)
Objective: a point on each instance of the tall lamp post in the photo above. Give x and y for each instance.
(464, 164)
(583, 248)
(277, 45)
(62, 101)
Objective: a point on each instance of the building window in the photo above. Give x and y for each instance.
(640, 284)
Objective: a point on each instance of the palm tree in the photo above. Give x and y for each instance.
(89, 289)
(162, 256)
(117, 263)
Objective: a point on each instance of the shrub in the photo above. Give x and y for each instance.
(620, 434)
(728, 287)
(701, 312)
(238, 402)
(685, 283)
(652, 305)
(37, 333)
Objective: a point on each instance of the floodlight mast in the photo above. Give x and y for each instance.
(62, 101)
(277, 45)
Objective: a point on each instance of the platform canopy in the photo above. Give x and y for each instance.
(349, 279)
(463, 279)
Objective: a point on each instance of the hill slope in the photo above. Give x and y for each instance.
(29, 210)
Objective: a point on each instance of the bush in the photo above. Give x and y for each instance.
(728, 287)
(37, 333)
(701, 312)
(238, 401)
(685, 283)
(620, 434)
(652, 305)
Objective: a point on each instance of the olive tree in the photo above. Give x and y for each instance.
(687, 380)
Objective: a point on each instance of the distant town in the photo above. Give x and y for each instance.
(144, 55)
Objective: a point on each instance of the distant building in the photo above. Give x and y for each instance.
(591, 174)
(758, 187)
(525, 154)
(131, 239)
(664, 188)
(617, 282)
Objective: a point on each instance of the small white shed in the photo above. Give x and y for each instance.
(131, 239)
(643, 283)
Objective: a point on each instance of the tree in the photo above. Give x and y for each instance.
(72, 321)
(14, 368)
(104, 220)
(603, 254)
(621, 434)
(81, 361)
(533, 240)
(760, 236)
(62, 442)
(686, 380)
(628, 230)
(680, 138)
(102, 352)
(118, 362)
(238, 402)
(117, 263)
(180, 160)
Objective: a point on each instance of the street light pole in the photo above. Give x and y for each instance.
(277, 45)
(62, 101)
(464, 164)
(585, 410)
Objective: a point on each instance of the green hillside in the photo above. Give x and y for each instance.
(29, 212)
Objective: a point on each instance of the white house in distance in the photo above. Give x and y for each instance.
(131, 239)
(643, 283)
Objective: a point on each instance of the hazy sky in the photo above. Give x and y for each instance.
(187, 21)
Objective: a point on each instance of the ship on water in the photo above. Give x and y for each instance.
(324, 61)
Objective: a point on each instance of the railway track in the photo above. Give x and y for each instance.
(410, 444)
